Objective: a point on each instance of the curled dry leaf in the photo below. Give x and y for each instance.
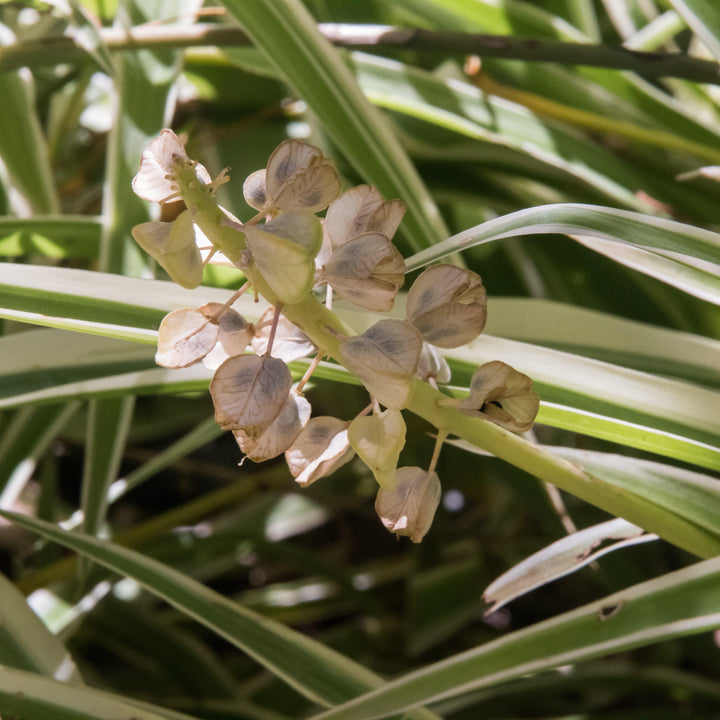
(290, 342)
(378, 440)
(249, 391)
(154, 180)
(448, 305)
(433, 365)
(280, 434)
(563, 557)
(185, 336)
(368, 271)
(284, 250)
(321, 448)
(173, 246)
(297, 177)
(500, 393)
(409, 508)
(234, 334)
(385, 358)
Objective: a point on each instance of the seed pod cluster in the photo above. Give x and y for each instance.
(348, 254)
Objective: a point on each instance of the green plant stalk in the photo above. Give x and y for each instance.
(327, 331)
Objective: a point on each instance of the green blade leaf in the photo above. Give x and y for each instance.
(316, 671)
(621, 226)
(703, 17)
(25, 695)
(25, 642)
(681, 603)
(287, 35)
(465, 110)
(23, 147)
(54, 236)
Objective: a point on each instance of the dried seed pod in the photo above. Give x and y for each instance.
(348, 216)
(284, 250)
(280, 434)
(185, 336)
(249, 391)
(433, 365)
(500, 393)
(254, 190)
(234, 334)
(297, 177)
(321, 448)
(378, 441)
(448, 305)
(154, 180)
(173, 246)
(385, 358)
(360, 210)
(386, 219)
(409, 508)
(368, 271)
(290, 342)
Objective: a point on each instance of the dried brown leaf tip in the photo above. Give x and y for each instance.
(501, 394)
(448, 305)
(385, 357)
(297, 177)
(409, 508)
(321, 448)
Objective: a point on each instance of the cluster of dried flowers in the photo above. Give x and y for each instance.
(289, 255)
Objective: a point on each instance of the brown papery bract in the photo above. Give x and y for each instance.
(185, 337)
(409, 508)
(320, 449)
(448, 305)
(249, 392)
(385, 357)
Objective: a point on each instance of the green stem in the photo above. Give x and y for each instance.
(561, 473)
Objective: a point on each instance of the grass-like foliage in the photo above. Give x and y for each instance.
(359, 360)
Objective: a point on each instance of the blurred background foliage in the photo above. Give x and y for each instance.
(488, 136)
